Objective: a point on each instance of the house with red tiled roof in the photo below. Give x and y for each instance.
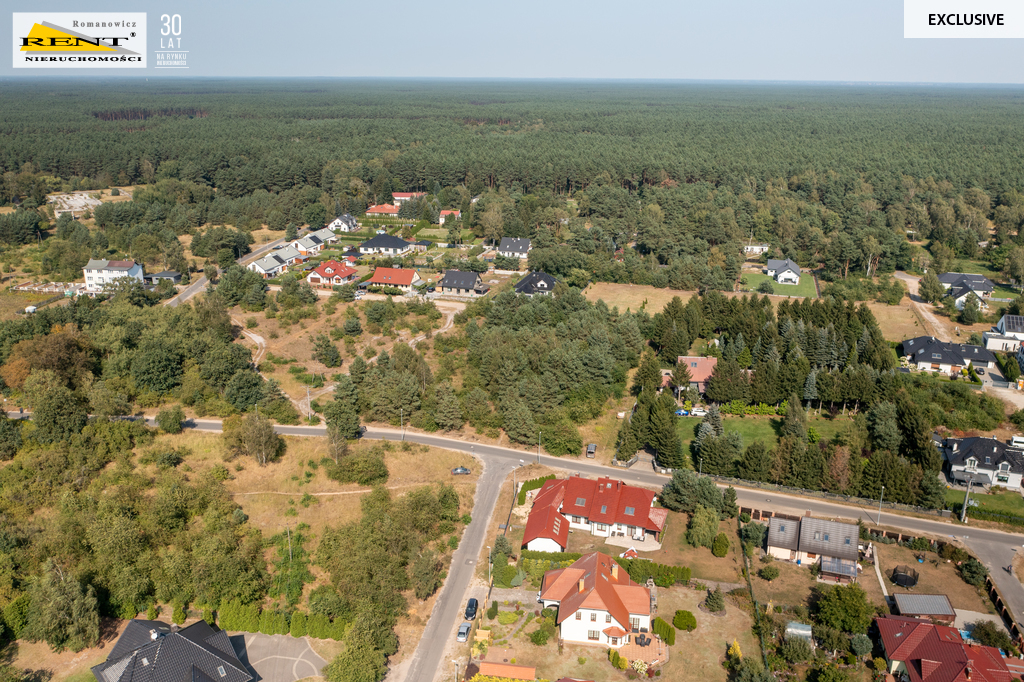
(383, 209)
(446, 214)
(508, 671)
(923, 652)
(597, 602)
(700, 370)
(402, 197)
(605, 507)
(400, 278)
(331, 273)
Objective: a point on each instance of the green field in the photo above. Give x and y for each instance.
(805, 288)
(997, 503)
(753, 428)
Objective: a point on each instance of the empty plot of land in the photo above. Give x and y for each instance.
(897, 322)
(634, 297)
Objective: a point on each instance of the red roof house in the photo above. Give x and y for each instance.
(401, 278)
(402, 197)
(446, 213)
(936, 653)
(596, 600)
(605, 507)
(331, 273)
(382, 209)
(508, 671)
(700, 370)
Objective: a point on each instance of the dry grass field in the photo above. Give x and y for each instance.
(11, 303)
(897, 322)
(791, 588)
(633, 297)
(937, 577)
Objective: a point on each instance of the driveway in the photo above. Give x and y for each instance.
(932, 324)
(276, 658)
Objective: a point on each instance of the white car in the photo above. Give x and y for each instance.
(463, 632)
(698, 412)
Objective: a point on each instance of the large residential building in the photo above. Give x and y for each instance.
(400, 278)
(385, 244)
(930, 354)
(1012, 326)
(402, 197)
(330, 274)
(100, 273)
(462, 283)
(512, 247)
(831, 544)
(784, 271)
(597, 602)
(536, 283)
(918, 651)
(986, 461)
(979, 284)
(389, 210)
(446, 214)
(152, 651)
(606, 507)
(344, 223)
(1007, 335)
(700, 369)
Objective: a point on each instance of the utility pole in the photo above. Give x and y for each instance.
(309, 405)
(967, 497)
(879, 522)
(401, 420)
(538, 446)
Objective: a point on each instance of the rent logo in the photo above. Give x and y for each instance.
(69, 40)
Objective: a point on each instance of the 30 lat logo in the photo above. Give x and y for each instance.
(89, 40)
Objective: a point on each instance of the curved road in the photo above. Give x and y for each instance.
(994, 547)
(200, 284)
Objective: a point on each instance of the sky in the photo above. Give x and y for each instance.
(740, 40)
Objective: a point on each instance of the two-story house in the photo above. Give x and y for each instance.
(597, 602)
(331, 273)
(606, 507)
(400, 278)
(930, 354)
(100, 273)
(511, 247)
(344, 223)
(832, 545)
(462, 283)
(985, 461)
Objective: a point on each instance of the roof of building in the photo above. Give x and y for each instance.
(310, 241)
(923, 604)
(424, 242)
(389, 209)
(536, 282)
(784, 533)
(520, 245)
(829, 538)
(407, 195)
(457, 279)
(605, 500)
(394, 276)
(958, 292)
(595, 581)
(332, 268)
(385, 241)
(989, 453)
(346, 218)
(507, 671)
(166, 274)
(152, 651)
(100, 264)
(450, 212)
(1013, 323)
(928, 349)
(700, 368)
(968, 280)
(833, 565)
(269, 262)
(936, 653)
(783, 265)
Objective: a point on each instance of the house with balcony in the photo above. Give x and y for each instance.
(833, 545)
(101, 273)
(984, 461)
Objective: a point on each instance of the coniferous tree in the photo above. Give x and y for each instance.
(756, 463)
(448, 412)
(625, 443)
(883, 427)
(795, 422)
(648, 375)
(665, 438)
(930, 288)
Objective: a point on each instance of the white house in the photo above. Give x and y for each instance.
(597, 602)
(402, 197)
(536, 283)
(1011, 325)
(325, 234)
(445, 214)
(310, 245)
(756, 249)
(512, 247)
(979, 284)
(1001, 342)
(784, 271)
(100, 273)
(344, 223)
(276, 262)
(331, 273)
(986, 461)
(606, 507)
(930, 354)
(385, 244)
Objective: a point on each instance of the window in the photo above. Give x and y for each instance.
(826, 537)
(630, 511)
(634, 623)
(693, 364)
(576, 519)
(817, 535)
(579, 615)
(847, 541)
(607, 617)
(593, 635)
(581, 501)
(782, 528)
(604, 508)
(615, 641)
(145, 661)
(557, 525)
(602, 527)
(593, 617)
(221, 671)
(936, 356)
(988, 460)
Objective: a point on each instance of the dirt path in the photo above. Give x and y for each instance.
(933, 325)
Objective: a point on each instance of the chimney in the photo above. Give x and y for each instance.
(581, 584)
(615, 571)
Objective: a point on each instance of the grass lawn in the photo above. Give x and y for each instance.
(897, 322)
(753, 428)
(937, 577)
(751, 280)
(1004, 291)
(791, 588)
(633, 297)
(998, 503)
(698, 655)
(975, 267)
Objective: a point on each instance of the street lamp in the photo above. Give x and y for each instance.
(456, 670)
(488, 565)
(538, 446)
(401, 420)
(880, 506)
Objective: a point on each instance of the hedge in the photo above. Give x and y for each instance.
(550, 556)
(532, 484)
(664, 575)
(664, 630)
(238, 617)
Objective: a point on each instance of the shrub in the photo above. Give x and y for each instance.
(685, 620)
(179, 614)
(169, 420)
(769, 572)
(152, 611)
(744, 517)
(973, 572)
(622, 663)
(581, 660)
(990, 634)
(715, 601)
(492, 612)
(795, 650)
(720, 547)
(860, 644)
(661, 628)
(532, 484)
(540, 637)
(298, 625)
(508, 617)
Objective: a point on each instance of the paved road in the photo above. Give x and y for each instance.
(200, 284)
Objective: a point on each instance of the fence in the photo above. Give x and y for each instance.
(627, 463)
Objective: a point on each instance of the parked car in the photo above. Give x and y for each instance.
(591, 450)
(682, 413)
(461, 471)
(698, 412)
(471, 609)
(430, 290)
(463, 632)
(979, 370)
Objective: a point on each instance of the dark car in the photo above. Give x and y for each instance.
(460, 471)
(471, 609)
(979, 370)
(431, 290)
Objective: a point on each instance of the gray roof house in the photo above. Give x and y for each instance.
(980, 284)
(833, 545)
(784, 271)
(1011, 325)
(984, 461)
(930, 606)
(152, 651)
(465, 283)
(385, 243)
(536, 282)
(927, 352)
(784, 533)
(512, 247)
